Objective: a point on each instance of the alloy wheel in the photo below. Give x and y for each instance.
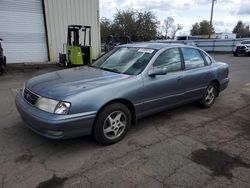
(114, 125)
(210, 94)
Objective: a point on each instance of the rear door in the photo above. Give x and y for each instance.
(197, 73)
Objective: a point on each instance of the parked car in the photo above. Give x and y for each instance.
(113, 41)
(124, 85)
(242, 48)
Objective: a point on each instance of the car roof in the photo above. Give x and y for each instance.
(152, 45)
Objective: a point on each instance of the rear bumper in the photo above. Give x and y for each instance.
(43, 123)
(224, 84)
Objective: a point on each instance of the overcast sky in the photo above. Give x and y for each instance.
(186, 12)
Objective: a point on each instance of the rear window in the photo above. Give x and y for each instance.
(208, 59)
(192, 58)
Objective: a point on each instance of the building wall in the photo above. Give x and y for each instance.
(61, 13)
(224, 36)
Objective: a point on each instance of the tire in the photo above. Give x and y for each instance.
(235, 54)
(1, 70)
(116, 120)
(67, 64)
(2, 65)
(4, 61)
(209, 96)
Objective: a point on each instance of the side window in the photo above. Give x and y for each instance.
(169, 59)
(208, 59)
(192, 58)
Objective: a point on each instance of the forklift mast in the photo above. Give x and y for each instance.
(74, 32)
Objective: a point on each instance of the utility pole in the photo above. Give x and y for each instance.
(211, 18)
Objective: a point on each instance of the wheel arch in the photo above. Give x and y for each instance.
(125, 102)
(217, 85)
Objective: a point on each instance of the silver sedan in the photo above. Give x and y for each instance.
(128, 83)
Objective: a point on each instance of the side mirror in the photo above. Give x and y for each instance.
(157, 71)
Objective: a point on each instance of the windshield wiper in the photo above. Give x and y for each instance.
(111, 70)
(103, 68)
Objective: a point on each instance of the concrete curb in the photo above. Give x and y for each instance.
(23, 67)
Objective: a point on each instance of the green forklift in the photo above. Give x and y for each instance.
(77, 51)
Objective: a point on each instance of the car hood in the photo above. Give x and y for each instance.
(60, 84)
(248, 45)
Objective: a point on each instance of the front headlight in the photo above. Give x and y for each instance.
(53, 106)
(62, 108)
(48, 105)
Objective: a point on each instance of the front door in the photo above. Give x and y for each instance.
(164, 91)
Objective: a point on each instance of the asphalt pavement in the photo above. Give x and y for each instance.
(184, 147)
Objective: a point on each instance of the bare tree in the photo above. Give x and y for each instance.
(168, 24)
(176, 29)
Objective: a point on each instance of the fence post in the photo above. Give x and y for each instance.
(233, 45)
(213, 45)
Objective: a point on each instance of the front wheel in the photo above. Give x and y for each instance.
(235, 54)
(112, 124)
(209, 96)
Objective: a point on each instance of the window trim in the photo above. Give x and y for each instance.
(181, 59)
(203, 54)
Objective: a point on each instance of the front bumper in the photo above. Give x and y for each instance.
(245, 51)
(44, 123)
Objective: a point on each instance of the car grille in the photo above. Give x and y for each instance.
(241, 47)
(30, 97)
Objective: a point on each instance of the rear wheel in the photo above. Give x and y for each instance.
(209, 96)
(112, 124)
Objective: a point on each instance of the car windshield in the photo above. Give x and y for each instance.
(125, 60)
(245, 42)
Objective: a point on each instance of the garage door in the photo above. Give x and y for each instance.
(22, 29)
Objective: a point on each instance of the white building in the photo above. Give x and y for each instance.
(224, 36)
(35, 30)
